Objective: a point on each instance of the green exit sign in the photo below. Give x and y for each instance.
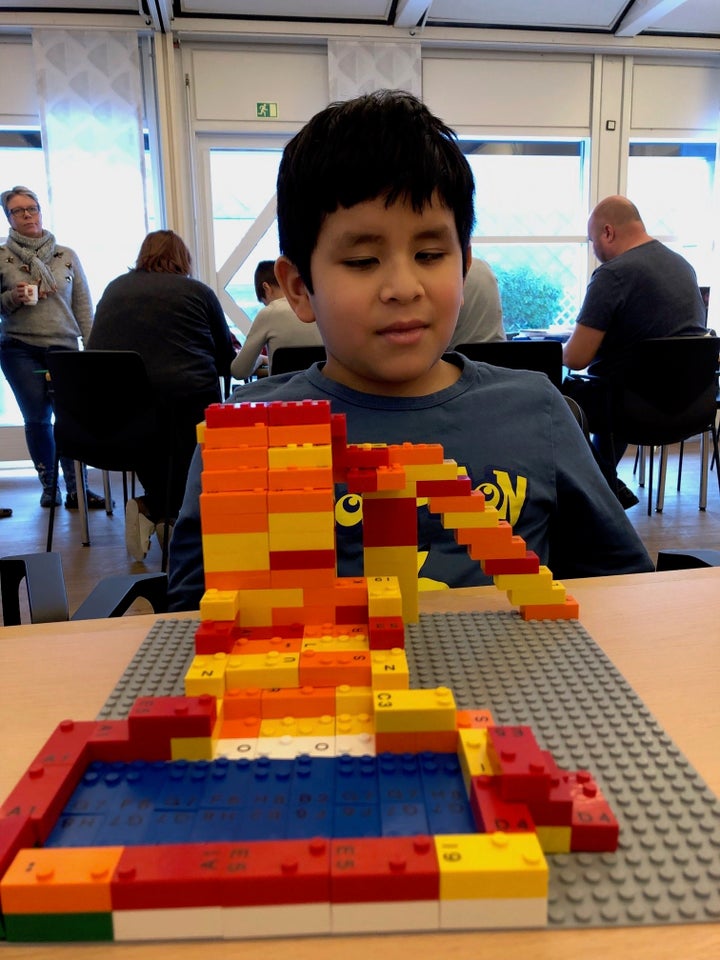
(267, 110)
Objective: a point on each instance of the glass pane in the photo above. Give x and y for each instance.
(672, 186)
(541, 284)
(525, 188)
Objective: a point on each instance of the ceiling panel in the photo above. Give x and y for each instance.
(376, 11)
(551, 14)
(694, 16)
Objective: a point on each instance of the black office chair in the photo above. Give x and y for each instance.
(47, 597)
(542, 355)
(107, 415)
(292, 359)
(663, 392)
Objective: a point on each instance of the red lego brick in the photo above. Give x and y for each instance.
(236, 414)
(40, 795)
(594, 827)
(459, 487)
(168, 876)
(492, 813)
(154, 721)
(215, 636)
(16, 833)
(110, 742)
(282, 413)
(272, 872)
(556, 811)
(302, 559)
(365, 456)
(367, 870)
(390, 523)
(530, 563)
(522, 764)
(385, 633)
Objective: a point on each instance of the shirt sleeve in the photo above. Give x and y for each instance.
(224, 352)
(590, 534)
(601, 300)
(82, 307)
(244, 363)
(186, 574)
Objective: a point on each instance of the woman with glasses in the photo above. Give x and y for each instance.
(44, 304)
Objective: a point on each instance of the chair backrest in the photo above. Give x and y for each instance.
(542, 355)
(665, 389)
(106, 411)
(292, 359)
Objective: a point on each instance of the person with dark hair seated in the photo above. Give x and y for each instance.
(276, 325)
(375, 215)
(178, 327)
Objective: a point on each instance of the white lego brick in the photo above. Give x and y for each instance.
(395, 917)
(493, 914)
(289, 920)
(188, 923)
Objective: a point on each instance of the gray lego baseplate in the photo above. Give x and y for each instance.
(552, 676)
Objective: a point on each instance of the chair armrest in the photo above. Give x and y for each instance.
(113, 595)
(43, 575)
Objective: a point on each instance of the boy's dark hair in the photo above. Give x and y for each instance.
(385, 144)
(264, 273)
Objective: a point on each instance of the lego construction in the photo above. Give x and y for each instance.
(300, 785)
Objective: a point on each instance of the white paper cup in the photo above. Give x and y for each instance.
(31, 294)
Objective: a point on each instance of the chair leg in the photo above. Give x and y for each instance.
(651, 455)
(680, 463)
(51, 518)
(82, 503)
(704, 470)
(107, 493)
(661, 479)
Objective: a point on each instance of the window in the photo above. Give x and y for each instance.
(531, 202)
(671, 183)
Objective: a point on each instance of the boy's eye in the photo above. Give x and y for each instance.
(427, 256)
(361, 262)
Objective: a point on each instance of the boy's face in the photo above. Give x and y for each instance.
(388, 287)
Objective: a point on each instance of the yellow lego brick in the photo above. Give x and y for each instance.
(206, 674)
(353, 700)
(473, 754)
(300, 455)
(321, 727)
(405, 711)
(60, 880)
(272, 669)
(219, 604)
(351, 724)
(200, 432)
(389, 669)
(471, 519)
(510, 581)
(192, 748)
(535, 594)
(447, 470)
(290, 532)
(255, 616)
(271, 597)
(400, 562)
(491, 866)
(235, 551)
(554, 839)
(337, 643)
(384, 597)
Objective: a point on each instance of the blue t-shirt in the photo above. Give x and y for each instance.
(648, 291)
(522, 448)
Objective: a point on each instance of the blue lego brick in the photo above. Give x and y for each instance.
(399, 778)
(403, 819)
(76, 830)
(356, 781)
(216, 825)
(446, 800)
(356, 820)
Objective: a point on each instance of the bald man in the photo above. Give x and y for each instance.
(641, 289)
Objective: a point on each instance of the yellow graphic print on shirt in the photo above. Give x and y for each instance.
(499, 492)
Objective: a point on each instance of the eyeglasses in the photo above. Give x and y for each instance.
(30, 211)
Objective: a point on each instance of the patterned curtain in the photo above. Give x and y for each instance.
(91, 114)
(356, 67)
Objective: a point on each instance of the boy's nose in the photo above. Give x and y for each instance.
(401, 282)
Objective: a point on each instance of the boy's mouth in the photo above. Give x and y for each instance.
(403, 333)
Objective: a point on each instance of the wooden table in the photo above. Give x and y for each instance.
(662, 630)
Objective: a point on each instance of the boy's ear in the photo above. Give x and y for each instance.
(294, 289)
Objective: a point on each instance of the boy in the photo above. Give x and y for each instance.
(375, 215)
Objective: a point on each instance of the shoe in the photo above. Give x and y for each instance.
(94, 501)
(46, 500)
(627, 498)
(138, 531)
(5, 512)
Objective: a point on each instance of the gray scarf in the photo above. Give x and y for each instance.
(35, 252)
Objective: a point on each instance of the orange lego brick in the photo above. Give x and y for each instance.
(473, 719)
(223, 437)
(330, 669)
(242, 702)
(306, 500)
(298, 702)
(492, 542)
(231, 504)
(244, 644)
(416, 453)
(237, 478)
(301, 577)
(242, 728)
(471, 502)
(234, 458)
(60, 880)
(570, 610)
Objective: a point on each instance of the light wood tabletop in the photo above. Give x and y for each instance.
(661, 630)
